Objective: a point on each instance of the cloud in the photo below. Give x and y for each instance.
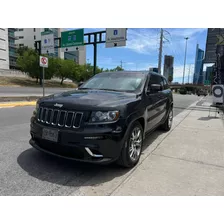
(146, 41)
(178, 73)
(108, 62)
(186, 32)
(143, 41)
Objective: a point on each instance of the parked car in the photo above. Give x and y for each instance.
(105, 120)
(202, 92)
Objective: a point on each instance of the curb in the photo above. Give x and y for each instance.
(18, 98)
(17, 104)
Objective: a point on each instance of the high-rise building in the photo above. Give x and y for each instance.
(208, 73)
(168, 66)
(198, 67)
(4, 49)
(12, 48)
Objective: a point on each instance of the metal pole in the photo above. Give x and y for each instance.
(189, 73)
(94, 54)
(43, 83)
(186, 38)
(160, 51)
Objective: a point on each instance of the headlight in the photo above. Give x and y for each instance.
(36, 109)
(37, 106)
(99, 116)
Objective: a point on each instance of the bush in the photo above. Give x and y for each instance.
(183, 91)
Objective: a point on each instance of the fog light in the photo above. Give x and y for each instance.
(117, 130)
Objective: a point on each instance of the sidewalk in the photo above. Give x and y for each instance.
(189, 161)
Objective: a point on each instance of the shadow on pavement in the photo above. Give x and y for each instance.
(71, 173)
(207, 118)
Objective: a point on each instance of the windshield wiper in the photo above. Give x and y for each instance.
(110, 90)
(85, 88)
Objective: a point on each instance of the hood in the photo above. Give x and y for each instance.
(89, 99)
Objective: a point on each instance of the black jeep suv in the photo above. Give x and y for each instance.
(105, 120)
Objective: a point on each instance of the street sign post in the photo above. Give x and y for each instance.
(72, 40)
(44, 64)
(78, 48)
(75, 38)
(116, 37)
(47, 42)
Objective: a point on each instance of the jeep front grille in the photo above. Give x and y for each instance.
(61, 118)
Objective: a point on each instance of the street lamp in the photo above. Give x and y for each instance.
(186, 38)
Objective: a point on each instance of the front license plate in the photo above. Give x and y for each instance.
(50, 134)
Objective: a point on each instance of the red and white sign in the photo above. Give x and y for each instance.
(43, 61)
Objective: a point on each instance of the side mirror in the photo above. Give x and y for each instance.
(155, 87)
(80, 83)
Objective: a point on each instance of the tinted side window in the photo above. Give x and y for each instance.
(156, 79)
(166, 85)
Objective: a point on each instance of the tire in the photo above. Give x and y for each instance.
(167, 125)
(125, 159)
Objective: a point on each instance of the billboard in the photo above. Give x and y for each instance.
(212, 40)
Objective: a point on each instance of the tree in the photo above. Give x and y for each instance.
(86, 72)
(170, 78)
(21, 50)
(118, 68)
(29, 62)
(52, 69)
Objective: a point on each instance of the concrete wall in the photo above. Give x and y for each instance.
(4, 49)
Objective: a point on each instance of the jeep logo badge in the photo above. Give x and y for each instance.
(58, 105)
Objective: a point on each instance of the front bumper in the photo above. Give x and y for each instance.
(99, 145)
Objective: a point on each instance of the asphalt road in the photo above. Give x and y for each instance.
(26, 171)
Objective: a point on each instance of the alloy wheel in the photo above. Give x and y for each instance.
(135, 144)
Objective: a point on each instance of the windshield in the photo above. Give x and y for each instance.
(129, 82)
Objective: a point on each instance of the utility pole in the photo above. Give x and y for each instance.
(160, 51)
(186, 38)
(189, 73)
(121, 64)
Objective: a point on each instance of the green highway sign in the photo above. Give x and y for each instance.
(72, 38)
(207, 82)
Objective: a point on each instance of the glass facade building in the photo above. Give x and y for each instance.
(198, 66)
(12, 48)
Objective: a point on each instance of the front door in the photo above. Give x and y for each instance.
(156, 103)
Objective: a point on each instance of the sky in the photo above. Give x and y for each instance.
(141, 50)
